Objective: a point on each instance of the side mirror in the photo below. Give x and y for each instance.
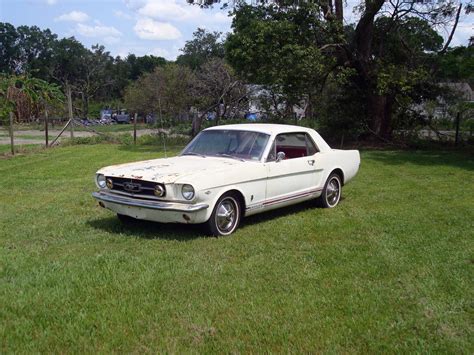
(280, 156)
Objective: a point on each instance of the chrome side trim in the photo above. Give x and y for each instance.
(164, 206)
(285, 199)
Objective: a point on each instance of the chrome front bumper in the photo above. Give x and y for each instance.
(153, 205)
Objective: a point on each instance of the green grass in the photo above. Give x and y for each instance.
(389, 270)
(5, 149)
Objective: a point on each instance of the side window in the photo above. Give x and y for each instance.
(294, 145)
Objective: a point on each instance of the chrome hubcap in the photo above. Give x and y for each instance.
(226, 215)
(332, 192)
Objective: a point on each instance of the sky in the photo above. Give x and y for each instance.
(157, 27)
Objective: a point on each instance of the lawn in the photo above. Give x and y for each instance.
(389, 270)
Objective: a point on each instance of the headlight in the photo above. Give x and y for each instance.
(159, 191)
(100, 180)
(188, 192)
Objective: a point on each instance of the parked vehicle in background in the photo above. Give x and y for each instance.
(228, 172)
(106, 114)
(121, 116)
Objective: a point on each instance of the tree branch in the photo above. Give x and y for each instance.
(445, 48)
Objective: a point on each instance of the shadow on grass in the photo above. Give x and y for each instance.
(455, 159)
(149, 230)
(186, 232)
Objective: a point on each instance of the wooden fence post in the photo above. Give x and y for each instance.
(12, 142)
(46, 137)
(135, 129)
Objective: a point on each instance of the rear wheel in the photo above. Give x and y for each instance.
(331, 194)
(225, 217)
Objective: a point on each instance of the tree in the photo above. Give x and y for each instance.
(167, 91)
(142, 65)
(20, 90)
(204, 46)
(216, 89)
(97, 78)
(281, 50)
(457, 64)
(25, 50)
(356, 48)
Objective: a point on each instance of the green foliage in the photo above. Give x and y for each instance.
(280, 49)
(165, 92)
(36, 90)
(25, 49)
(141, 65)
(92, 74)
(203, 47)
(457, 64)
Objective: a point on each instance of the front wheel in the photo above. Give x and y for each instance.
(226, 215)
(331, 192)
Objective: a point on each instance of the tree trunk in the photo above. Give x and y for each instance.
(85, 105)
(197, 122)
(339, 11)
(380, 115)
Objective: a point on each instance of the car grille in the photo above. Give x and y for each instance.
(134, 186)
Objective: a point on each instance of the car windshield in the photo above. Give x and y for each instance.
(242, 145)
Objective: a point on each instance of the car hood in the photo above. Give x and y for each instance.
(170, 170)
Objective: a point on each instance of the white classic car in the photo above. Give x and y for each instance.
(228, 172)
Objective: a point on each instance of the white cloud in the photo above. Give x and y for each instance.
(179, 12)
(147, 28)
(51, 2)
(74, 16)
(108, 33)
(166, 10)
(122, 15)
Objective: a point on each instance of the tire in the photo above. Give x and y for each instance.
(126, 219)
(225, 217)
(332, 190)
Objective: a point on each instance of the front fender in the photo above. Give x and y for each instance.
(211, 196)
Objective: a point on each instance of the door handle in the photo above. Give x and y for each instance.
(311, 162)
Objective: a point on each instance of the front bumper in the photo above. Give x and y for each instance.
(158, 211)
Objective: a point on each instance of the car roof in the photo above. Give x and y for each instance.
(269, 128)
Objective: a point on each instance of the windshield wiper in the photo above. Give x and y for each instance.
(229, 156)
(192, 153)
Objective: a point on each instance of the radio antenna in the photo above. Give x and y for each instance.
(162, 129)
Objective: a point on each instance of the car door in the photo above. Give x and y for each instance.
(296, 176)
